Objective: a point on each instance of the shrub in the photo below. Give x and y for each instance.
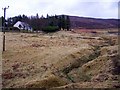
(50, 29)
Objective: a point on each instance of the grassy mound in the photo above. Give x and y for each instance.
(108, 84)
(51, 81)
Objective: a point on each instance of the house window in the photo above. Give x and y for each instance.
(20, 26)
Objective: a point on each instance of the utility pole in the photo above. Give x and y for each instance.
(4, 27)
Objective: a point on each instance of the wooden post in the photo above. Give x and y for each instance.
(4, 27)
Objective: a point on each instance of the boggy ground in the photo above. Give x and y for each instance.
(64, 59)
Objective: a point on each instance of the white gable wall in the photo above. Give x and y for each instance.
(23, 25)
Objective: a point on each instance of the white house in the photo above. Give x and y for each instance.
(22, 26)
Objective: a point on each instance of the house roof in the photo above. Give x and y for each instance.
(23, 25)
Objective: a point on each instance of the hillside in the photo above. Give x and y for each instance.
(65, 22)
(93, 23)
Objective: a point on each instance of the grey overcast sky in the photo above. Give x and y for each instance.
(84, 8)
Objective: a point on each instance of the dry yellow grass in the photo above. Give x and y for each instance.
(1, 37)
(49, 82)
(51, 60)
(31, 55)
(98, 85)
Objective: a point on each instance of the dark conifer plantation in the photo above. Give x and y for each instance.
(39, 23)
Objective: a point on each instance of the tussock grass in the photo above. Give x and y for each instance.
(49, 82)
(98, 85)
(56, 59)
(73, 60)
(95, 66)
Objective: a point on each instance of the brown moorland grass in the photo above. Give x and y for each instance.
(57, 59)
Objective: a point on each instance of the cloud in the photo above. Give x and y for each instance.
(93, 8)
